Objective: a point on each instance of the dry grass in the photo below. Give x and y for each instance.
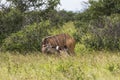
(35, 66)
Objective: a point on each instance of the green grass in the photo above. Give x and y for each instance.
(36, 66)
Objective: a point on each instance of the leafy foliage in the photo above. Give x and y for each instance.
(10, 22)
(27, 5)
(19, 13)
(95, 28)
(104, 7)
(28, 39)
(98, 27)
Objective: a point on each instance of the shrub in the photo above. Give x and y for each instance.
(103, 33)
(10, 22)
(28, 39)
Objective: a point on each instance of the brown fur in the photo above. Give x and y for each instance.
(64, 41)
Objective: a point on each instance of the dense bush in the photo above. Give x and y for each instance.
(98, 27)
(18, 13)
(101, 34)
(28, 39)
(108, 35)
(10, 22)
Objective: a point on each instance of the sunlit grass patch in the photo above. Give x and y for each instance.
(37, 66)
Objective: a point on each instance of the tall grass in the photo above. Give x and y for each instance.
(35, 66)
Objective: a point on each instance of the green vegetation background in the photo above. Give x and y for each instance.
(96, 31)
(96, 28)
